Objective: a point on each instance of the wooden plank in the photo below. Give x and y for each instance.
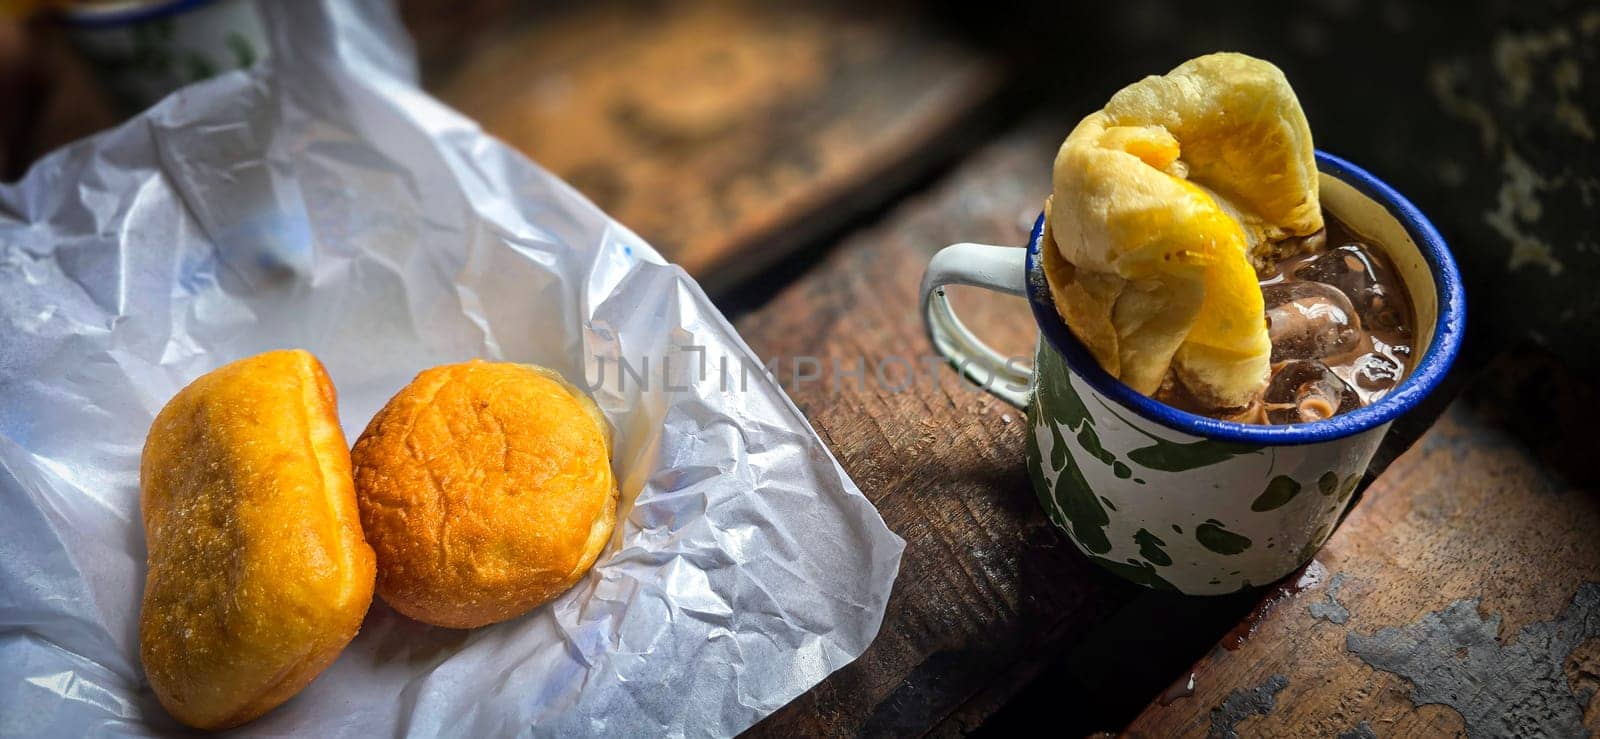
(985, 580)
(1462, 596)
(727, 134)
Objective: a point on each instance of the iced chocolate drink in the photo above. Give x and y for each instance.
(1186, 247)
(1340, 323)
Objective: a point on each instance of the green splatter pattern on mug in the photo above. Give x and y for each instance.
(1177, 512)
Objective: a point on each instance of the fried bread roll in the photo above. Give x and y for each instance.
(486, 490)
(258, 572)
(1164, 203)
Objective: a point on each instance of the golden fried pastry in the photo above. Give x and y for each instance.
(258, 573)
(1164, 202)
(486, 490)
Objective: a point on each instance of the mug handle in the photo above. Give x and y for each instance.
(998, 268)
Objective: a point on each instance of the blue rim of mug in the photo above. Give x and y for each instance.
(127, 13)
(1423, 378)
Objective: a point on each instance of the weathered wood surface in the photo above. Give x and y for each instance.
(727, 134)
(985, 582)
(1461, 597)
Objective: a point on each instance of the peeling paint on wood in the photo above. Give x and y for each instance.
(1362, 730)
(1452, 657)
(1496, 507)
(1329, 609)
(1244, 703)
(1527, 90)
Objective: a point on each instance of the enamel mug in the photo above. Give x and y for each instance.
(143, 49)
(1174, 500)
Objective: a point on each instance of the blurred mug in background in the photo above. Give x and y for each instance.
(141, 50)
(68, 69)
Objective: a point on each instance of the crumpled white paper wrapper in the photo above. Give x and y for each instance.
(321, 200)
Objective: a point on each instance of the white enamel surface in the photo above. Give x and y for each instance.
(1222, 492)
